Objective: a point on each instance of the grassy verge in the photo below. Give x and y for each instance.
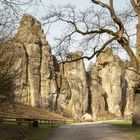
(126, 127)
(40, 133)
(25, 132)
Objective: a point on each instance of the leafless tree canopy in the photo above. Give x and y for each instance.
(94, 27)
(10, 12)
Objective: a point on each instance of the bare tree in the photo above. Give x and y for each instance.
(98, 29)
(94, 25)
(10, 13)
(7, 74)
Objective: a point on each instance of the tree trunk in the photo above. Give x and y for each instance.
(138, 39)
(136, 100)
(136, 113)
(35, 123)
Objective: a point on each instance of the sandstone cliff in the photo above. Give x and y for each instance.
(76, 76)
(41, 81)
(108, 94)
(35, 64)
(132, 90)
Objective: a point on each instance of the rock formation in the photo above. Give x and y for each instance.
(41, 81)
(76, 77)
(132, 90)
(35, 64)
(107, 90)
(72, 91)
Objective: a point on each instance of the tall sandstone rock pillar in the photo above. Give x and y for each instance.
(108, 91)
(75, 74)
(35, 65)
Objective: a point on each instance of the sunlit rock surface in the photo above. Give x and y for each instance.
(35, 64)
(75, 74)
(107, 91)
(132, 90)
(41, 81)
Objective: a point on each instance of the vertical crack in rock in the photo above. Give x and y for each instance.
(57, 93)
(123, 97)
(40, 45)
(89, 84)
(27, 72)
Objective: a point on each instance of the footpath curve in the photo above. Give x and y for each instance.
(88, 131)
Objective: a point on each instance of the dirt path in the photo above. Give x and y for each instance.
(88, 131)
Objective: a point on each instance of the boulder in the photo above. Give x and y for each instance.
(86, 117)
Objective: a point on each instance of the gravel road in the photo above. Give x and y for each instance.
(88, 131)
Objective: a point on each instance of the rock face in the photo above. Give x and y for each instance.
(35, 64)
(41, 81)
(72, 91)
(132, 108)
(75, 74)
(130, 77)
(98, 102)
(107, 90)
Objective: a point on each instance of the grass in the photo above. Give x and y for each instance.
(41, 133)
(126, 127)
(12, 131)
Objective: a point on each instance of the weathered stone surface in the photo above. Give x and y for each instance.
(132, 79)
(66, 88)
(136, 110)
(129, 76)
(86, 117)
(107, 81)
(35, 84)
(99, 103)
(42, 82)
(76, 77)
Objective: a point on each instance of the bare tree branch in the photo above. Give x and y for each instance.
(95, 53)
(96, 27)
(135, 6)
